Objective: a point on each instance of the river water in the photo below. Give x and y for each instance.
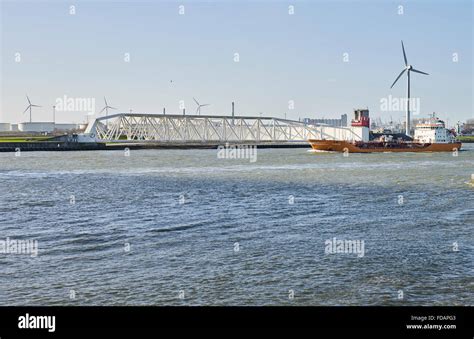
(184, 227)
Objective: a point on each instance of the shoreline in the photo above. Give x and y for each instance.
(51, 146)
(62, 146)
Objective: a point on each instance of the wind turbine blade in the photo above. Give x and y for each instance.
(103, 109)
(398, 77)
(197, 103)
(26, 110)
(105, 100)
(417, 71)
(205, 105)
(404, 55)
(28, 99)
(35, 106)
(111, 107)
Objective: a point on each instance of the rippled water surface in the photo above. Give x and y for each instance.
(232, 232)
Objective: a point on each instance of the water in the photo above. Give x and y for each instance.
(115, 231)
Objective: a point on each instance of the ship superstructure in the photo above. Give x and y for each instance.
(433, 131)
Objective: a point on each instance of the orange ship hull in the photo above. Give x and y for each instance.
(370, 147)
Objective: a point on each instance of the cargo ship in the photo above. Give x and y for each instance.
(430, 136)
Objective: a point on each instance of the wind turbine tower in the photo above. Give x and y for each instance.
(30, 105)
(198, 110)
(408, 68)
(106, 108)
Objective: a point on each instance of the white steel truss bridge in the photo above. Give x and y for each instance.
(173, 128)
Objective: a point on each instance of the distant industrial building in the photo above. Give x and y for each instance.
(468, 127)
(67, 127)
(342, 122)
(5, 127)
(39, 127)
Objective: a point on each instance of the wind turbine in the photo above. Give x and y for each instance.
(29, 106)
(408, 68)
(106, 108)
(198, 110)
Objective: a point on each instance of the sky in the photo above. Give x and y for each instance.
(324, 60)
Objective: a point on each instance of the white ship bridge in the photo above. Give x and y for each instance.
(172, 128)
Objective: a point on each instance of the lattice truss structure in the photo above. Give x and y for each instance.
(199, 128)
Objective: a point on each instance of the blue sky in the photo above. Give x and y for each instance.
(282, 57)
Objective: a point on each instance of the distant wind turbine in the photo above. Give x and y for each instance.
(106, 108)
(29, 106)
(408, 68)
(198, 110)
